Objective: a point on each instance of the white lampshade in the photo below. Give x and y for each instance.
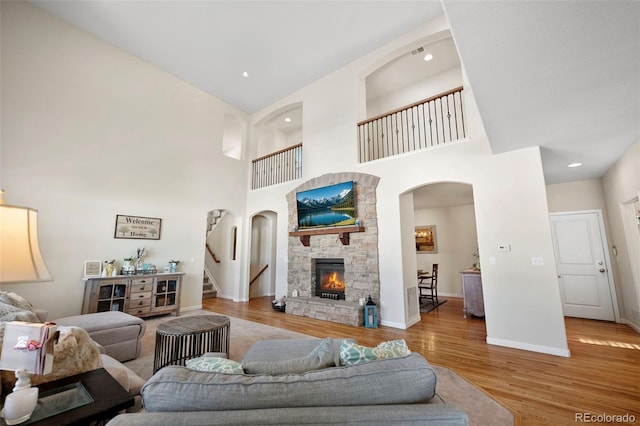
(20, 258)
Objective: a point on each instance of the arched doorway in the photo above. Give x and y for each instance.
(262, 252)
(448, 209)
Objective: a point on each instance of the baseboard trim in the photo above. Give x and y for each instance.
(631, 324)
(395, 324)
(529, 347)
(190, 308)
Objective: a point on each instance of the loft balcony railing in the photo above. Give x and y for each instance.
(278, 167)
(431, 122)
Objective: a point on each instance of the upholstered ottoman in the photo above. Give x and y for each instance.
(120, 334)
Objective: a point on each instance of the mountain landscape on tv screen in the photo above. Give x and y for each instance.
(327, 206)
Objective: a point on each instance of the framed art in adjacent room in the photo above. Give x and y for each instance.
(92, 268)
(426, 241)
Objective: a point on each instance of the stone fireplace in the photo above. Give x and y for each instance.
(358, 253)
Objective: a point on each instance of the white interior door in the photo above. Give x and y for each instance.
(582, 265)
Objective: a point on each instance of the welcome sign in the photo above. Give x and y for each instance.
(137, 227)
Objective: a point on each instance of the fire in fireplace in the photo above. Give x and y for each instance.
(330, 278)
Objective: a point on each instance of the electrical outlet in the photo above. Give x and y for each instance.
(537, 261)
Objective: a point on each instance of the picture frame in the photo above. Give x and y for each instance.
(137, 227)
(426, 239)
(92, 268)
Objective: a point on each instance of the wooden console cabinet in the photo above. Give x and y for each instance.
(138, 295)
(472, 293)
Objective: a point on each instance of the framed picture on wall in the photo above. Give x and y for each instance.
(426, 241)
(92, 268)
(137, 227)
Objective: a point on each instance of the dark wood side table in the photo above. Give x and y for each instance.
(109, 398)
(180, 339)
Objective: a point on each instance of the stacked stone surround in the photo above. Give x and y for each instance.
(361, 273)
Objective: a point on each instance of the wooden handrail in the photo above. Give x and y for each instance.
(264, 268)
(277, 152)
(424, 101)
(213, 255)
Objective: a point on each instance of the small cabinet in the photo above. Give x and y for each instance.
(109, 295)
(165, 294)
(138, 295)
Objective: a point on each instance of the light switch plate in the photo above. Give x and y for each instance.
(537, 261)
(504, 247)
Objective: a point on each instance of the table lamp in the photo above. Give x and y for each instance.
(20, 262)
(20, 258)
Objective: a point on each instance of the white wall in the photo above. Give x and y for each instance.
(89, 132)
(622, 184)
(578, 195)
(522, 301)
(435, 85)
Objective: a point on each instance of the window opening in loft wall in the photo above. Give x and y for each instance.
(410, 78)
(279, 130)
(414, 101)
(277, 141)
(232, 137)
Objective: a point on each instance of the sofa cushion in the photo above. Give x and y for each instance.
(408, 380)
(279, 349)
(119, 332)
(213, 364)
(352, 353)
(320, 357)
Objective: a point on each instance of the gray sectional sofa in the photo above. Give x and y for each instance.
(399, 390)
(86, 342)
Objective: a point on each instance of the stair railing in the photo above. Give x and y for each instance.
(211, 253)
(278, 167)
(254, 279)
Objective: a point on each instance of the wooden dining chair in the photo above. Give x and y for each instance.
(428, 285)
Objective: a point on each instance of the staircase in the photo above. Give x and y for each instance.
(208, 289)
(208, 292)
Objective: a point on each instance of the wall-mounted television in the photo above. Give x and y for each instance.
(333, 205)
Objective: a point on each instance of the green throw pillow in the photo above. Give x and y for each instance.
(320, 357)
(352, 353)
(215, 365)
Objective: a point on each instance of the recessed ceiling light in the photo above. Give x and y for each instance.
(245, 74)
(428, 57)
(287, 119)
(575, 165)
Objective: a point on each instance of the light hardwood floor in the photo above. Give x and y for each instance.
(602, 376)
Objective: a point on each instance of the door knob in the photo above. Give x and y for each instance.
(602, 270)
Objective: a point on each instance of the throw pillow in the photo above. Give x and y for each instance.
(16, 300)
(211, 364)
(352, 353)
(320, 357)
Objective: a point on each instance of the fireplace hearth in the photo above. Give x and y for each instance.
(330, 279)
